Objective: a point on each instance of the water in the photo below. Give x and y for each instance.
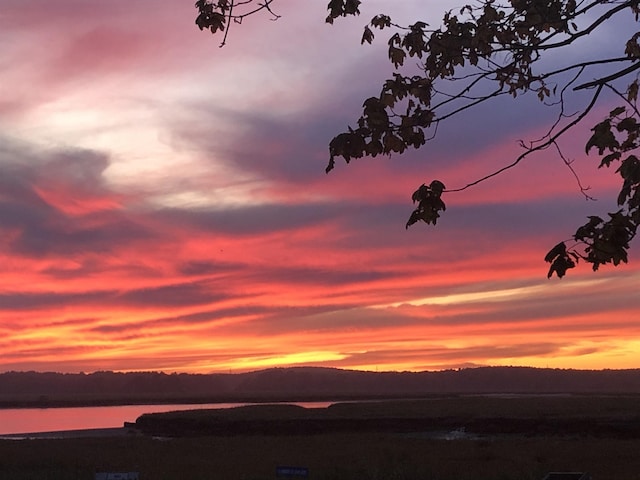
(31, 420)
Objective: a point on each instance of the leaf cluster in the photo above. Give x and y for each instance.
(496, 48)
(342, 8)
(429, 202)
(216, 16)
(501, 42)
(601, 241)
(560, 259)
(212, 16)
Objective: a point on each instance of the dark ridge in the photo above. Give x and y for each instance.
(27, 389)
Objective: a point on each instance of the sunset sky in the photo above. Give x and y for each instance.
(164, 206)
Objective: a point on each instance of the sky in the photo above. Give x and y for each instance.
(164, 206)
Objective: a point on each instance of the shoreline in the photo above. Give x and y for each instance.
(65, 402)
(82, 433)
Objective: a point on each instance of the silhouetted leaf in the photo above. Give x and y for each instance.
(606, 160)
(437, 187)
(616, 111)
(602, 138)
(560, 266)
(559, 250)
(632, 91)
(381, 21)
(367, 36)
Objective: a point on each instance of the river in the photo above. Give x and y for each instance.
(32, 420)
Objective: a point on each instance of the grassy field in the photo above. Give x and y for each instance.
(333, 456)
(375, 455)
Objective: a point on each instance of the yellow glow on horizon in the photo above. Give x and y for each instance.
(286, 360)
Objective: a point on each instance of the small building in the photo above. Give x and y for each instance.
(567, 476)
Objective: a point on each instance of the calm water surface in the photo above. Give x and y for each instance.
(31, 420)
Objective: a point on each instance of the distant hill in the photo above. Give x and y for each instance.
(300, 383)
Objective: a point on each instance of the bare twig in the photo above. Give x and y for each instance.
(539, 147)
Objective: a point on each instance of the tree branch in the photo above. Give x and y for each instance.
(609, 78)
(542, 146)
(226, 30)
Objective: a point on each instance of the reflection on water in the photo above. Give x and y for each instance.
(30, 420)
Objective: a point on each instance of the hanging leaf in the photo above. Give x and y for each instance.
(367, 36)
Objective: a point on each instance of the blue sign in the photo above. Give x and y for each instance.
(117, 476)
(292, 472)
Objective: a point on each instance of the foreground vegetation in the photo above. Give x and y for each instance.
(583, 415)
(332, 456)
(384, 453)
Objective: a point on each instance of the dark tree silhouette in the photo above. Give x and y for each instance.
(484, 50)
